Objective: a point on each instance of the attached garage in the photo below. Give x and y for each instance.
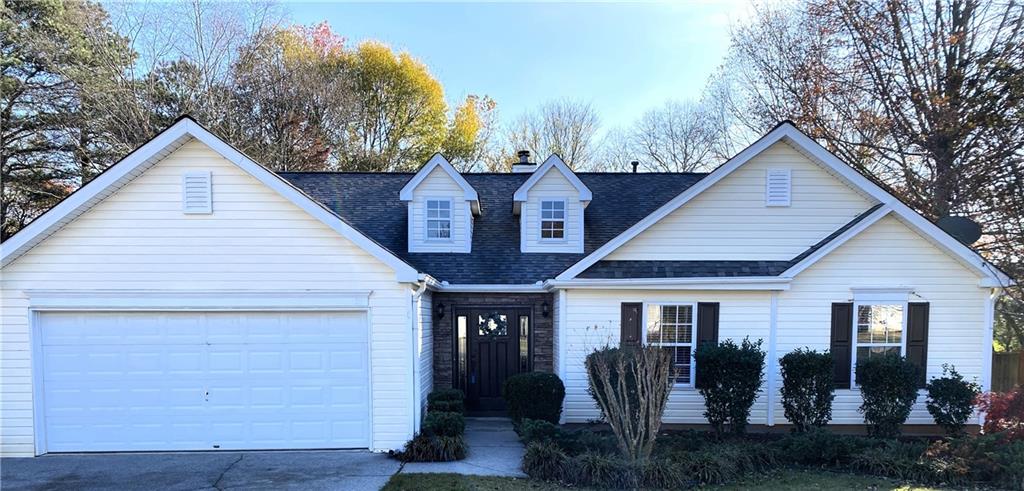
(134, 381)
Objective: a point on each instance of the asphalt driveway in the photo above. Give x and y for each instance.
(312, 470)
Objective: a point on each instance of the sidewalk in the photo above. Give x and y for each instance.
(494, 449)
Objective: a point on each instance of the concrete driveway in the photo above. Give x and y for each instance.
(312, 470)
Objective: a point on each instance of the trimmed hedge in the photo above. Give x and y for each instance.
(447, 400)
(534, 395)
(729, 378)
(807, 388)
(441, 439)
(951, 400)
(888, 385)
(444, 423)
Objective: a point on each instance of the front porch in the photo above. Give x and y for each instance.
(481, 339)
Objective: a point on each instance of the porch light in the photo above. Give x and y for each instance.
(545, 309)
(439, 310)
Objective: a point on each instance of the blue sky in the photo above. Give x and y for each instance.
(623, 58)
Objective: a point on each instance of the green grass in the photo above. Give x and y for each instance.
(777, 481)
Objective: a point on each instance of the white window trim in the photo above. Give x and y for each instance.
(853, 336)
(427, 219)
(565, 220)
(693, 338)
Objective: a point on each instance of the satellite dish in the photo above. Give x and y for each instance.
(964, 229)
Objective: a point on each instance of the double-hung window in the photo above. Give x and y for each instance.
(439, 219)
(552, 219)
(672, 327)
(879, 329)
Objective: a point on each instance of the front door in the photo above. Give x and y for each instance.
(498, 348)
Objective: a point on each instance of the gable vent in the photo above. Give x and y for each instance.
(196, 193)
(778, 185)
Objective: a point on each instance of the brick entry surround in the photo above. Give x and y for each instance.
(543, 329)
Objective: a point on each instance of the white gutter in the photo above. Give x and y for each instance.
(414, 337)
(713, 283)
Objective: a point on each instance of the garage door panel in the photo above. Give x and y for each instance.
(223, 380)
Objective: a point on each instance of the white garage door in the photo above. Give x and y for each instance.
(203, 381)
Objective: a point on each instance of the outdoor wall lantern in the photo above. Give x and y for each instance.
(439, 311)
(545, 309)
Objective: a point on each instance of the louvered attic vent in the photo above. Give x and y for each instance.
(196, 193)
(778, 185)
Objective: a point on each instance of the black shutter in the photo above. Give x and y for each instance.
(707, 323)
(917, 338)
(629, 333)
(841, 346)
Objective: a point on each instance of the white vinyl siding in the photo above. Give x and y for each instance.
(729, 221)
(889, 254)
(592, 320)
(439, 186)
(138, 239)
(553, 186)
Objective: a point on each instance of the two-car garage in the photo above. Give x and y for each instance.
(134, 381)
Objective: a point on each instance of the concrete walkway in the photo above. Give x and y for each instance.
(494, 450)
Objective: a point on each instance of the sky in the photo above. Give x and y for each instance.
(623, 58)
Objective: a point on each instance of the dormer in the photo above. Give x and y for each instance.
(441, 206)
(550, 206)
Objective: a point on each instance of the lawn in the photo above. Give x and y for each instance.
(778, 481)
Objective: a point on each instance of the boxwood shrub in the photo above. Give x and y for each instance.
(444, 423)
(534, 395)
(729, 377)
(951, 400)
(448, 400)
(807, 388)
(888, 384)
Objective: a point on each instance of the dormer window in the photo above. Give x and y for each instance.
(439, 219)
(552, 220)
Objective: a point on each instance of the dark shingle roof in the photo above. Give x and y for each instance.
(683, 269)
(369, 202)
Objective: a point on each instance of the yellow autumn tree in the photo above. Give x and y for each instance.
(403, 114)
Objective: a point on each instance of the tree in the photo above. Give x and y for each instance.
(564, 127)
(402, 116)
(470, 133)
(54, 57)
(293, 100)
(677, 137)
(924, 96)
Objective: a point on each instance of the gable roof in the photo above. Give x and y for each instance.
(553, 162)
(436, 161)
(788, 132)
(370, 202)
(160, 146)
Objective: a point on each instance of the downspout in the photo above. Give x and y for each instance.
(986, 344)
(414, 325)
(773, 328)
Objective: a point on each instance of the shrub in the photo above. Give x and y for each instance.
(444, 423)
(533, 430)
(820, 447)
(729, 377)
(433, 448)
(807, 389)
(534, 395)
(545, 460)
(888, 385)
(631, 387)
(951, 400)
(446, 400)
(1004, 413)
(582, 441)
(894, 458)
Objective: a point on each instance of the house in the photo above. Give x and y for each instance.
(190, 299)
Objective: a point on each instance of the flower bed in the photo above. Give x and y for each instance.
(584, 457)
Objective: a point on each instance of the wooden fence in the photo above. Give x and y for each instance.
(1007, 370)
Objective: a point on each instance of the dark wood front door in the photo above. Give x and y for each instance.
(498, 346)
